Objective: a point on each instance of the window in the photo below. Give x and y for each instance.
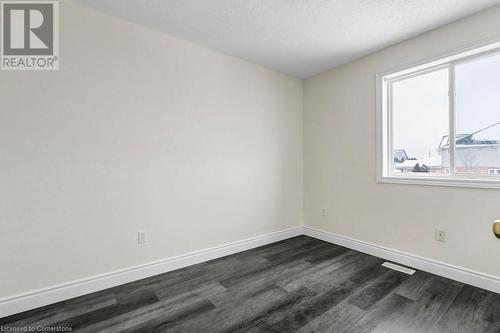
(439, 121)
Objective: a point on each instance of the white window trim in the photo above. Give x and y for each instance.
(383, 140)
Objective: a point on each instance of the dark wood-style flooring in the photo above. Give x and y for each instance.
(297, 285)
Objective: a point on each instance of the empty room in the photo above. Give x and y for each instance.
(250, 166)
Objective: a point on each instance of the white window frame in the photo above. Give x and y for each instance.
(385, 162)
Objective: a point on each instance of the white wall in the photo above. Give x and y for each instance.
(139, 131)
(339, 163)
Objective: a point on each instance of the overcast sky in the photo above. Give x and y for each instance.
(421, 105)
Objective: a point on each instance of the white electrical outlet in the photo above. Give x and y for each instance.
(324, 212)
(142, 237)
(440, 235)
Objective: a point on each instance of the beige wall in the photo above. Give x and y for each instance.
(340, 157)
(139, 131)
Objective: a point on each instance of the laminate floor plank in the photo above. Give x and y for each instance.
(355, 271)
(340, 318)
(235, 311)
(412, 288)
(304, 252)
(492, 313)
(384, 316)
(378, 289)
(317, 273)
(297, 285)
(257, 283)
(276, 313)
(45, 319)
(467, 314)
(421, 315)
(66, 306)
(125, 303)
(311, 308)
(275, 248)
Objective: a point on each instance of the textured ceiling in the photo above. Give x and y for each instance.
(297, 37)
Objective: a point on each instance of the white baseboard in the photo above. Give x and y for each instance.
(37, 298)
(460, 274)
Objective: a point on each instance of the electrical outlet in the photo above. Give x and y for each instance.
(324, 212)
(440, 235)
(142, 237)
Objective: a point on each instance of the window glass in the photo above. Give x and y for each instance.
(420, 124)
(477, 110)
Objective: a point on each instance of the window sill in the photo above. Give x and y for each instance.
(442, 181)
